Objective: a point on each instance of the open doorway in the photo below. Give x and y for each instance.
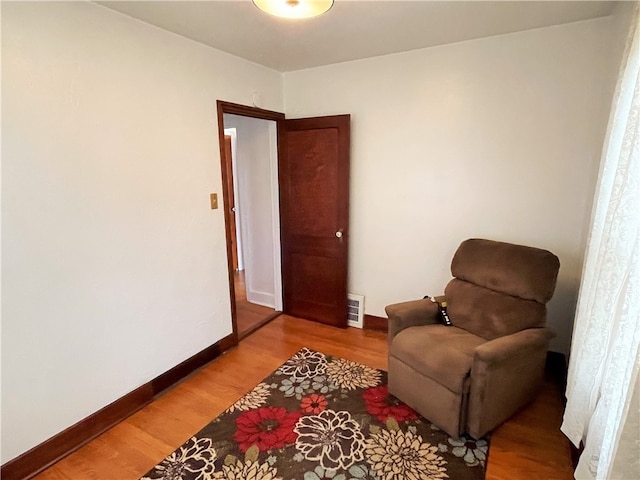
(250, 191)
(309, 177)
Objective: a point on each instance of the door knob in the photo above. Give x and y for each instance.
(339, 234)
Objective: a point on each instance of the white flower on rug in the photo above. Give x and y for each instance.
(332, 438)
(195, 457)
(304, 364)
(254, 399)
(321, 384)
(398, 455)
(320, 473)
(473, 452)
(294, 386)
(351, 375)
(247, 471)
(361, 472)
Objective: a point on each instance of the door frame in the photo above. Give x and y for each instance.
(229, 154)
(245, 111)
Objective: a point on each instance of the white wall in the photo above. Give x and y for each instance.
(497, 138)
(114, 267)
(257, 207)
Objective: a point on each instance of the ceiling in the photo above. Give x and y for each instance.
(352, 29)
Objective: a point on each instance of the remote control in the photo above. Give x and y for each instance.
(444, 315)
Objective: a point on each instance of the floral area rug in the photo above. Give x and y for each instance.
(321, 417)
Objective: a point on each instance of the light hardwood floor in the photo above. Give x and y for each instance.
(528, 447)
(249, 316)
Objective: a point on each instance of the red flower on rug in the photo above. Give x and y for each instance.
(266, 427)
(382, 405)
(313, 404)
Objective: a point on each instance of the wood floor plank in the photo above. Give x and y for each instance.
(529, 446)
(248, 315)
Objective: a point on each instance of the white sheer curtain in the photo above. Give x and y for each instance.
(602, 410)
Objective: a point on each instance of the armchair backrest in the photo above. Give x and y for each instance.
(500, 288)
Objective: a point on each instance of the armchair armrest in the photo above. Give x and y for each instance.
(409, 314)
(517, 344)
(505, 375)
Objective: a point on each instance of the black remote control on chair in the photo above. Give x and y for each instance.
(443, 314)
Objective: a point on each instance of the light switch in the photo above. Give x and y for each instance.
(214, 201)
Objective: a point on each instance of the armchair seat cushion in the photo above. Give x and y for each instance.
(450, 353)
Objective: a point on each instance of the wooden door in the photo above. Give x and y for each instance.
(228, 162)
(314, 214)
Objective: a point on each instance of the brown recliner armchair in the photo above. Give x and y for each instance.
(473, 375)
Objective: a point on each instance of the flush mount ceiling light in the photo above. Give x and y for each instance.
(294, 8)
